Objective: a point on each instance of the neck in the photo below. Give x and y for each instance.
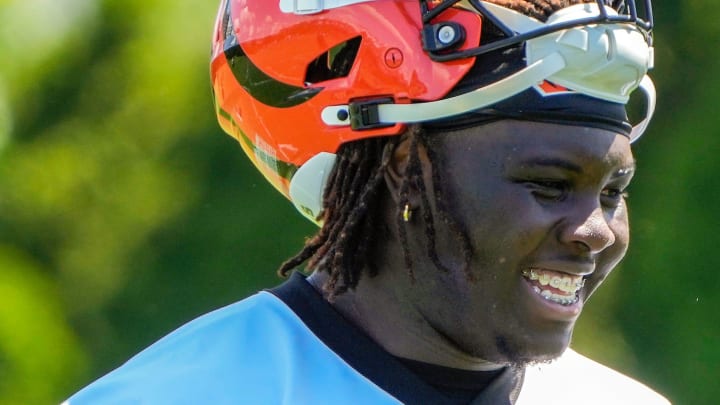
(397, 325)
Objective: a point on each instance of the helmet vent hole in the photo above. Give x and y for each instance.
(335, 63)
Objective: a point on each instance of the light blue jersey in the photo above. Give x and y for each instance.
(256, 351)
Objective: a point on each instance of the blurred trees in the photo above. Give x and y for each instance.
(124, 211)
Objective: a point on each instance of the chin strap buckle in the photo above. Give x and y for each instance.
(364, 114)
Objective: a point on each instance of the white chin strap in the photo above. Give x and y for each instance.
(606, 61)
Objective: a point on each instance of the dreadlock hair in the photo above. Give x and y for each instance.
(351, 199)
(351, 218)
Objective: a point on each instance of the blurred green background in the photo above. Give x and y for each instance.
(124, 211)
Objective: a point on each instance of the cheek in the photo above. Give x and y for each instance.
(610, 257)
(505, 228)
(620, 227)
(484, 201)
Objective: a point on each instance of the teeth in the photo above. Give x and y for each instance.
(560, 299)
(566, 284)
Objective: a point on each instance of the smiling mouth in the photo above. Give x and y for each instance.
(557, 287)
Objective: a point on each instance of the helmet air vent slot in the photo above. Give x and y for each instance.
(335, 63)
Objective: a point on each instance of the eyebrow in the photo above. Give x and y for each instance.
(554, 162)
(573, 167)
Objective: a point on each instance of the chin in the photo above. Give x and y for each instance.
(524, 352)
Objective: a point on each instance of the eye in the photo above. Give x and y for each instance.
(550, 190)
(612, 197)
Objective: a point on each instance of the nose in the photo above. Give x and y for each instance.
(590, 230)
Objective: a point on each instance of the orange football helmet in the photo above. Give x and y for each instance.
(295, 79)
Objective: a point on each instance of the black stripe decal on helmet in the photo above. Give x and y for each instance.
(259, 85)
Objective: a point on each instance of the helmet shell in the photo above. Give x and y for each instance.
(262, 59)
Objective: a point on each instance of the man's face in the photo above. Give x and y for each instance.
(543, 208)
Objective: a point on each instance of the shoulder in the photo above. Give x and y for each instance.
(205, 356)
(255, 351)
(574, 378)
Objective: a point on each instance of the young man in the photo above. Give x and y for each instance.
(466, 162)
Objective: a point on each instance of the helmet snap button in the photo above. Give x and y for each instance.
(393, 58)
(446, 34)
(343, 115)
